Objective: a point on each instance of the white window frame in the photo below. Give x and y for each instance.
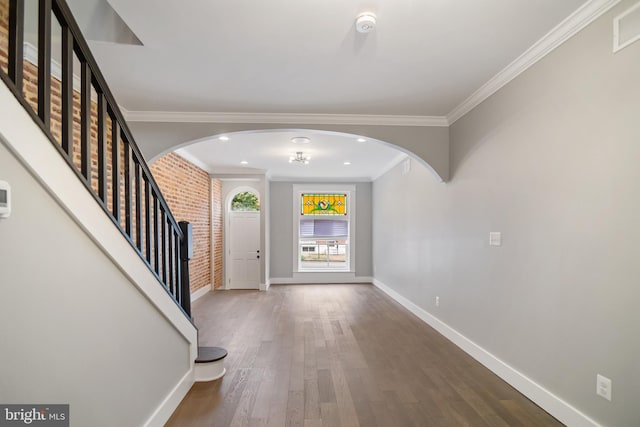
(350, 191)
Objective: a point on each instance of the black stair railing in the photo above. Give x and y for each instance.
(79, 114)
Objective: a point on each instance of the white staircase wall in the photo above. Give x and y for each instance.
(82, 319)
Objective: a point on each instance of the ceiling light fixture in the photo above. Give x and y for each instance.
(244, 162)
(361, 140)
(347, 163)
(300, 158)
(300, 140)
(365, 22)
(223, 138)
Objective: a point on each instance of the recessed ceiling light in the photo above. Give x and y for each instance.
(361, 140)
(244, 162)
(300, 140)
(224, 138)
(347, 163)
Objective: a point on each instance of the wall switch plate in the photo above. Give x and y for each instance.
(603, 387)
(5, 199)
(437, 301)
(495, 238)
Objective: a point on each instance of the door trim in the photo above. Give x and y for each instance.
(226, 232)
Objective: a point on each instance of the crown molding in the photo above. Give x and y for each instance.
(293, 118)
(320, 180)
(240, 178)
(566, 29)
(575, 22)
(192, 159)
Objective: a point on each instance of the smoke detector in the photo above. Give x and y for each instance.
(365, 23)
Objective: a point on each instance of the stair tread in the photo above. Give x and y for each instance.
(210, 354)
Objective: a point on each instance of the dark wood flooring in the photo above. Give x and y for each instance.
(340, 355)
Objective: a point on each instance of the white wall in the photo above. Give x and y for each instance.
(73, 328)
(83, 320)
(281, 221)
(551, 161)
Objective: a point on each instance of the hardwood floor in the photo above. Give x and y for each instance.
(340, 355)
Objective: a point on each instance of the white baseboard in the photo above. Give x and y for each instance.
(168, 406)
(200, 292)
(319, 278)
(265, 286)
(551, 403)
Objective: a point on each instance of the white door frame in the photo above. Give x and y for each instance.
(227, 228)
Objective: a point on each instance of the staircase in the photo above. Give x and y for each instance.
(84, 123)
(61, 89)
(210, 363)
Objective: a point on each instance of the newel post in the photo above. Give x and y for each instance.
(186, 253)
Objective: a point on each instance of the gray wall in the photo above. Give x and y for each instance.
(429, 143)
(73, 329)
(551, 161)
(281, 220)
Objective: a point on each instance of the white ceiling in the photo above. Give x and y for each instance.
(270, 151)
(291, 56)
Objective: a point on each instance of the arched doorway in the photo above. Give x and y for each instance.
(243, 239)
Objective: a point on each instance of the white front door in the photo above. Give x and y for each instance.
(243, 264)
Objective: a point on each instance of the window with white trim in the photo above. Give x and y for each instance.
(324, 227)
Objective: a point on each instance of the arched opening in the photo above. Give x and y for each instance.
(428, 145)
(238, 156)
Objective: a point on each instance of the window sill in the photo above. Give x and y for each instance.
(335, 274)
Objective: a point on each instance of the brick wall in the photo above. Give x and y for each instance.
(172, 172)
(187, 190)
(4, 34)
(30, 93)
(216, 189)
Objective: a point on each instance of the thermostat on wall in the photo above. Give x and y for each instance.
(5, 199)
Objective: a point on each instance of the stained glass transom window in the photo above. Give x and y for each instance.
(323, 204)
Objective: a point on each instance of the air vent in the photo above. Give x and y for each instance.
(626, 28)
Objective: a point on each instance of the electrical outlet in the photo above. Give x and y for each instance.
(437, 301)
(603, 387)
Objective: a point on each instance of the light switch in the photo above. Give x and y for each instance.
(603, 387)
(5, 199)
(495, 238)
